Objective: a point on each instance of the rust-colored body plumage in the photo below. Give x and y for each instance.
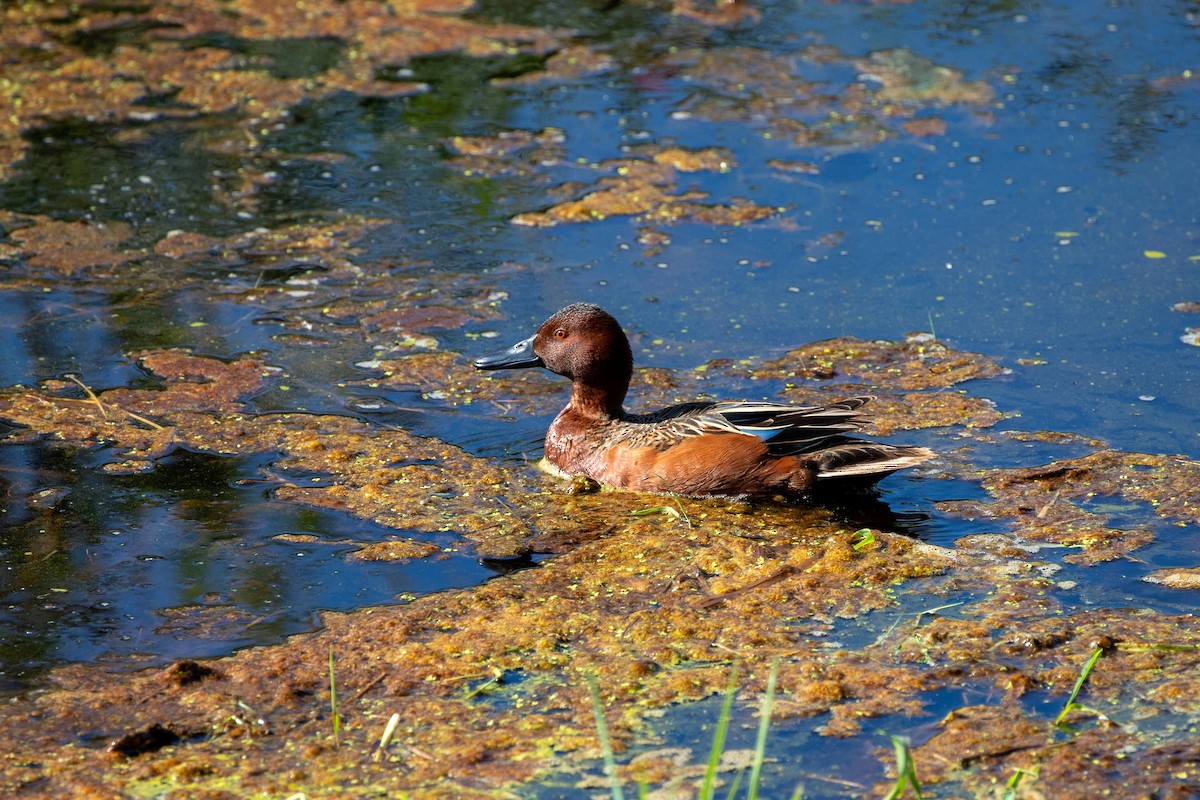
(699, 449)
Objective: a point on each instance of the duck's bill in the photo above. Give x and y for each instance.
(518, 356)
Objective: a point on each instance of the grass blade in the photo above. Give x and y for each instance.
(764, 722)
(1010, 789)
(333, 705)
(718, 743)
(737, 784)
(862, 538)
(610, 762)
(906, 770)
(1083, 676)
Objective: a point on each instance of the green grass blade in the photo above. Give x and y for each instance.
(1083, 676)
(864, 537)
(906, 770)
(764, 722)
(737, 784)
(1010, 789)
(333, 704)
(718, 743)
(610, 762)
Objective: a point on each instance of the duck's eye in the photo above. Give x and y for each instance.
(561, 333)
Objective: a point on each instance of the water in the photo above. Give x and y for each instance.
(1030, 231)
(192, 560)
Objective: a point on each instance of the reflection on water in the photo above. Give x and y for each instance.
(190, 560)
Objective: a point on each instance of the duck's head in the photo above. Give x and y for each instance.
(581, 342)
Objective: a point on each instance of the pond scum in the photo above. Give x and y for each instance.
(485, 692)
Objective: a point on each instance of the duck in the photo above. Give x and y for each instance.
(732, 449)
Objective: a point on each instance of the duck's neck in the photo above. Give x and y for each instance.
(599, 401)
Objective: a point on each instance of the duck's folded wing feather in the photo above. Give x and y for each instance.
(786, 429)
(791, 430)
(853, 459)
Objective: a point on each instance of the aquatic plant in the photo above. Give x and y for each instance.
(718, 743)
(1010, 788)
(906, 770)
(862, 539)
(333, 704)
(764, 723)
(708, 784)
(1071, 705)
(610, 762)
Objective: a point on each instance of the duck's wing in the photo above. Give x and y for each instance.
(793, 430)
(819, 434)
(787, 430)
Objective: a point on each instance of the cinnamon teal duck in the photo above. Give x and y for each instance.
(730, 449)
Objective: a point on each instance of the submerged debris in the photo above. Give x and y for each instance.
(148, 740)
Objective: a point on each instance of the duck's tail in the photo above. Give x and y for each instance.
(866, 461)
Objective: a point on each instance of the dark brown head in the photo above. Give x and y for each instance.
(581, 342)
